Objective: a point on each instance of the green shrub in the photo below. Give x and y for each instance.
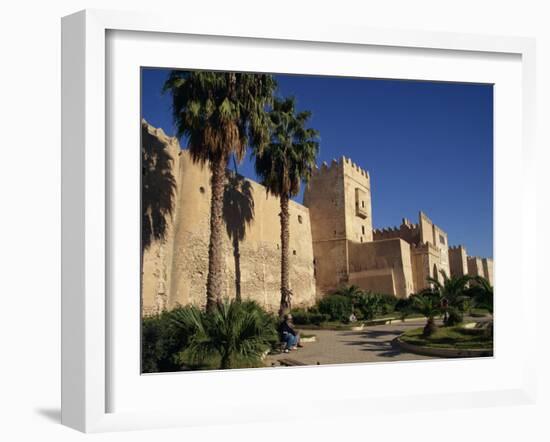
(387, 303)
(337, 307)
(370, 305)
(309, 317)
(318, 318)
(160, 343)
(232, 335)
(301, 317)
(404, 308)
(403, 304)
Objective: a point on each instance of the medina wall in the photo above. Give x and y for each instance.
(382, 266)
(408, 231)
(475, 266)
(458, 261)
(487, 264)
(426, 261)
(175, 269)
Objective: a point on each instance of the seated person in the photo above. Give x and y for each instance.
(289, 335)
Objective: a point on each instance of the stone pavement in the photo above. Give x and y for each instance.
(372, 344)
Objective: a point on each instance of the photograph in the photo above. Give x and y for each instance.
(303, 220)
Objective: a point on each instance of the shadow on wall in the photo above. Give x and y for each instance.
(158, 188)
(238, 213)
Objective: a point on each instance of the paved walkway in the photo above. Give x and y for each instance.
(372, 344)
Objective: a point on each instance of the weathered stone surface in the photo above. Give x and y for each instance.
(175, 269)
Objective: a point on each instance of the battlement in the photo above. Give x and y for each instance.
(351, 166)
(406, 231)
(457, 247)
(344, 164)
(396, 229)
(423, 216)
(423, 247)
(158, 132)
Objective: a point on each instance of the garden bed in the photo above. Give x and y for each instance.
(448, 342)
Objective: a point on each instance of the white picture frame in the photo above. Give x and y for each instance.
(86, 315)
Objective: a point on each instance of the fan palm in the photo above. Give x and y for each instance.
(482, 293)
(351, 291)
(286, 161)
(452, 293)
(220, 114)
(428, 306)
(231, 331)
(453, 289)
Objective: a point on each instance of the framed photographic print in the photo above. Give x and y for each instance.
(327, 210)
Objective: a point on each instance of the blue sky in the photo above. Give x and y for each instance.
(427, 145)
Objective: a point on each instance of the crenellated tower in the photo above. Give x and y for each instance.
(339, 200)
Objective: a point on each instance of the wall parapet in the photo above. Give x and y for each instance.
(342, 163)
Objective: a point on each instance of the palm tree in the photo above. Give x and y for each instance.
(354, 294)
(428, 306)
(282, 165)
(231, 331)
(351, 291)
(220, 114)
(482, 292)
(453, 293)
(453, 288)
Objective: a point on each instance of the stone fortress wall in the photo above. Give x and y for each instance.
(332, 240)
(175, 269)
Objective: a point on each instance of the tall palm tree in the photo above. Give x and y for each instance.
(232, 331)
(282, 165)
(220, 114)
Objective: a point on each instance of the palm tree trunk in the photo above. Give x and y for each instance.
(215, 252)
(285, 239)
(226, 361)
(429, 328)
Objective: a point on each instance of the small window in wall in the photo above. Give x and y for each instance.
(201, 189)
(363, 230)
(361, 239)
(294, 252)
(363, 204)
(441, 239)
(300, 219)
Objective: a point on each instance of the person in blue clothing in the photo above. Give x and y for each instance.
(289, 335)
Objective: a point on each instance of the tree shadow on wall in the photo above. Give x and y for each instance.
(238, 213)
(158, 188)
